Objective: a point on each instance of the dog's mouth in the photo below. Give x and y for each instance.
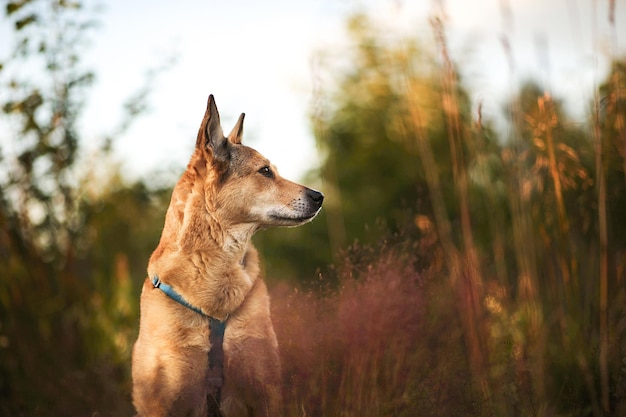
(292, 219)
(298, 211)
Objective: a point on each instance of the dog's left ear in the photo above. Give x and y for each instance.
(237, 132)
(210, 135)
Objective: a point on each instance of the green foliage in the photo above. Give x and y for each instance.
(487, 278)
(67, 332)
(70, 259)
(513, 226)
(372, 173)
(39, 188)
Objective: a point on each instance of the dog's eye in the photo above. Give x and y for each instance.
(266, 172)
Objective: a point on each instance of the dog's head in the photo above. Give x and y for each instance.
(241, 187)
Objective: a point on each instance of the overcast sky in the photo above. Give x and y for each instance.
(255, 57)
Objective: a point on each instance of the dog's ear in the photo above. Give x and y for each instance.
(210, 135)
(237, 133)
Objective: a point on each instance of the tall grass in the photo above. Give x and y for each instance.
(374, 346)
(515, 306)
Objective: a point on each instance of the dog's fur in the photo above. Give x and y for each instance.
(227, 193)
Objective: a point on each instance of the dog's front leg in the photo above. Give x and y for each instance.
(252, 376)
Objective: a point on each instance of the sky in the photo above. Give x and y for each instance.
(258, 58)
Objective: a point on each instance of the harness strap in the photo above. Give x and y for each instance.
(215, 377)
(216, 365)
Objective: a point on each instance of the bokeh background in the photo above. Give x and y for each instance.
(471, 254)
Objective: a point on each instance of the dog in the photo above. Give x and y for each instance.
(205, 271)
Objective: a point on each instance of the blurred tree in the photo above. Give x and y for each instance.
(396, 136)
(42, 301)
(612, 93)
(610, 147)
(556, 199)
(553, 176)
(371, 170)
(555, 149)
(122, 226)
(70, 243)
(43, 106)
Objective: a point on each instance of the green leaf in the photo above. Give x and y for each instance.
(8, 107)
(21, 23)
(14, 6)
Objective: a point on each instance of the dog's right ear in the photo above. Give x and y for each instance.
(237, 132)
(210, 135)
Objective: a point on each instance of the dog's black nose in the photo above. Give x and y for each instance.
(315, 196)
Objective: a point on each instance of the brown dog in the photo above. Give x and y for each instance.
(204, 269)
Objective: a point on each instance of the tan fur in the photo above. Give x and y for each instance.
(252, 365)
(225, 195)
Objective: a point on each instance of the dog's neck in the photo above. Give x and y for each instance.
(237, 238)
(195, 270)
(190, 229)
(197, 238)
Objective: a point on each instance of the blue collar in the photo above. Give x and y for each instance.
(170, 292)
